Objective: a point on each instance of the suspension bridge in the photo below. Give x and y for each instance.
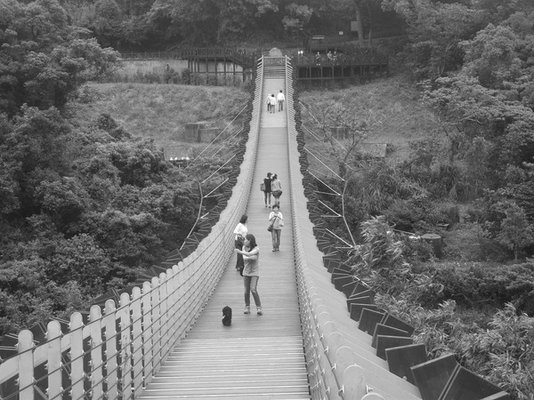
(320, 335)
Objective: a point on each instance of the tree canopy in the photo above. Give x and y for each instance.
(43, 58)
(82, 210)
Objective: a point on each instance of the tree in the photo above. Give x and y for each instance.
(355, 126)
(43, 59)
(107, 22)
(34, 151)
(473, 108)
(491, 56)
(297, 16)
(44, 22)
(213, 21)
(500, 10)
(520, 188)
(517, 144)
(476, 171)
(434, 30)
(80, 259)
(64, 200)
(516, 233)
(340, 117)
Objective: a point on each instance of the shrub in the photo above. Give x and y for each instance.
(502, 352)
(404, 214)
(474, 284)
(186, 76)
(516, 232)
(464, 243)
(416, 250)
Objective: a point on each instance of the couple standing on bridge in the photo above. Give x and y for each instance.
(272, 186)
(272, 101)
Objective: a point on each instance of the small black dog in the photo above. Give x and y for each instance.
(227, 316)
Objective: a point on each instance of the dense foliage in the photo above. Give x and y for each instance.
(473, 174)
(87, 209)
(84, 207)
(82, 212)
(476, 165)
(43, 57)
(144, 24)
(444, 303)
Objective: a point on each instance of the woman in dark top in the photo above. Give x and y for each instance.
(267, 190)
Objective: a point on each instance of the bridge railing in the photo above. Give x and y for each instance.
(333, 371)
(322, 381)
(115, 352)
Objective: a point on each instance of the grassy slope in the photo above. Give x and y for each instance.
(160, 111)
(392, 104)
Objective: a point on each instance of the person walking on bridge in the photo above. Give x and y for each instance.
(276, 220)
(269, 103)
(267, 190)
(272, 103)
(276, 189)
(280, 98)
(251, 272)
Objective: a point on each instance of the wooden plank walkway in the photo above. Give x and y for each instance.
(258, 357)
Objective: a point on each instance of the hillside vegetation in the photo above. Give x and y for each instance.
(460, 165)
(88, 202)
(471, 298)
(391, 108)
(160, 112)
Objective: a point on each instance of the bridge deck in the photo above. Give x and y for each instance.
(258, 357)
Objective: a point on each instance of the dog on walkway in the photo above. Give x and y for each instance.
(227, 316)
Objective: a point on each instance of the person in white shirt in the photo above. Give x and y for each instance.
(276, 219)
(269, 103)
(272, 103)
(280, 98)
(240, 232)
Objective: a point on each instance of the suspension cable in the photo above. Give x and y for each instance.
(220, 133)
